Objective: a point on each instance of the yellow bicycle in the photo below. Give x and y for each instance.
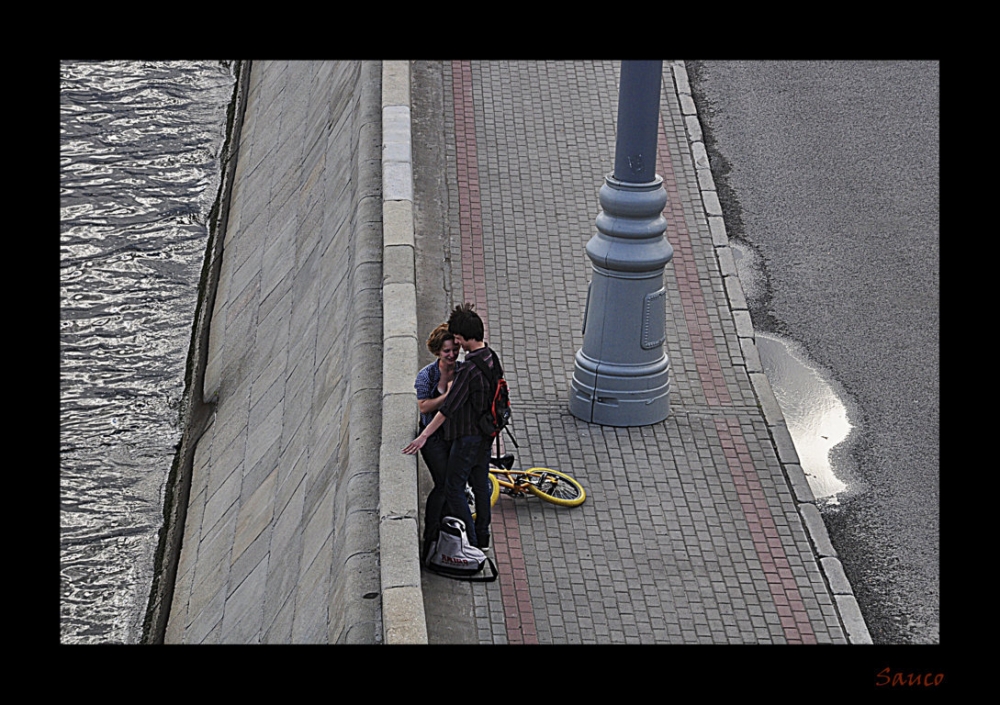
(551, 485)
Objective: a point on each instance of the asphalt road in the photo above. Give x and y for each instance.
(828, 174)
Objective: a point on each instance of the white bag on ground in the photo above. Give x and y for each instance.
(452, 554)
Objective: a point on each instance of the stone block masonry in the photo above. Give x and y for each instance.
(281, 537)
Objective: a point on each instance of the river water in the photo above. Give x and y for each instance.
(140, 147)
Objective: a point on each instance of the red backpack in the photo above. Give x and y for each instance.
(497, 416)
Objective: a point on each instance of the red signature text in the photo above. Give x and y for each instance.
(888, 677)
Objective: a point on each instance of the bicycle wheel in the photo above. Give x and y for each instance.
(494, 489)
(553, 486)
(470, 496)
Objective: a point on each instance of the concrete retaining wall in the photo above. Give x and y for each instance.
(281, 537)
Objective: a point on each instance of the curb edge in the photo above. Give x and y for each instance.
(403, 617)
(844, 601)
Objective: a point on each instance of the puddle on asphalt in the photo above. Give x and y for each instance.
(815, 413)
(817, 418)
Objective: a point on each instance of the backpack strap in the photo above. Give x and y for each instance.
(481, 577)
(492, 376)
(497, 372)
(499, 368)
(496, 362)
(493, 571)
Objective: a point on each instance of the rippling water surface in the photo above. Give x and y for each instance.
(139, 173)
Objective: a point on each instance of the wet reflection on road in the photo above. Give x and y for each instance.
(817, 418)
(815, 413)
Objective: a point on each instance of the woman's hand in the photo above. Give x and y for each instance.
(418, 442)
(415, 445)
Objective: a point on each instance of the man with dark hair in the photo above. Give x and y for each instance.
(467, 399)
(465, 322)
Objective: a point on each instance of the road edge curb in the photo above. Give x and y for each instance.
(845, 603)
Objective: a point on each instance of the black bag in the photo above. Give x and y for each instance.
(497, 416)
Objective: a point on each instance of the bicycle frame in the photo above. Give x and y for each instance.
(501, 469)
(508, 484)
(551, 485)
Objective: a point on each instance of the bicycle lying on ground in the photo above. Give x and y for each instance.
(551, 485)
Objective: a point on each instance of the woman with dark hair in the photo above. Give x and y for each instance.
(432, 385)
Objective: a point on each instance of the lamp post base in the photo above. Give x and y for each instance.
(620, 395)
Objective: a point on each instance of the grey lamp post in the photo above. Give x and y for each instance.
(621, 375)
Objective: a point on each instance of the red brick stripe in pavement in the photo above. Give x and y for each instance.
(780, 581)
(777, 571)
(519, 618)
(699, 325)
(470, 213)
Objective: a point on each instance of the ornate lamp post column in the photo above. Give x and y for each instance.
(621, 375)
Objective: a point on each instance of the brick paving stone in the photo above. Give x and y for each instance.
(690, 533)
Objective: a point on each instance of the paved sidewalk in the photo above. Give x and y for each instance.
(698, 529)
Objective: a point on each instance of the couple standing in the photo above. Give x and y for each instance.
(452, 398)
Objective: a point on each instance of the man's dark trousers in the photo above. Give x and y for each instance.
(469, 462)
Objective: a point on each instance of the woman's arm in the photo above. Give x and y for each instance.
(418, 442)
(428, 406)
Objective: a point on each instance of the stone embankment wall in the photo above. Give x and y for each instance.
(281, 534)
